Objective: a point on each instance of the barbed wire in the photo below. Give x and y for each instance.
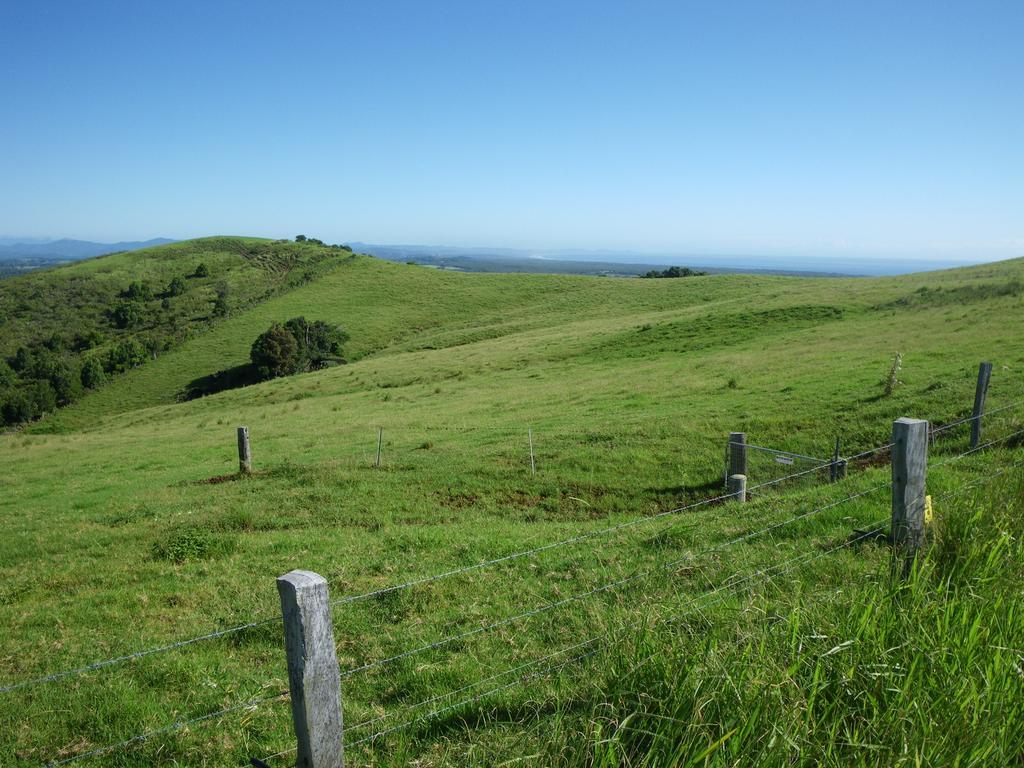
(132, 656)
(976, 449)
(725, 587)
(171, 728)
(792, 562)
(589, 593)
(581, 537)
(968, 419)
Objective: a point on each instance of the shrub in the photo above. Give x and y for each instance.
(176, 287)
(190, 542)
(126, 354)
(202, 270)
(275, 352)
(93, 375)
(127, 314)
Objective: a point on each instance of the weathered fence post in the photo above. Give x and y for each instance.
(837, 469)
(533, 464)
(244, 454)
(380, 439)
(737, 454)
(738, 487)
(313, 675)
(984, 374)
(909, 471)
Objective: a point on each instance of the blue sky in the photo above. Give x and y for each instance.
(797, 128)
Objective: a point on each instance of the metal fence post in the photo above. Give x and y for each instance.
(313, 675)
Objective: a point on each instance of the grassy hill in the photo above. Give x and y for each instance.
(118, 311)
(127, 529)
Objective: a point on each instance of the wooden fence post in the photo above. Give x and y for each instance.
(737, 454)
(984, 375)
(909, 473)
(837, 469)
(533, 464)
(380, 439)
(313, 675)
(244, 454)
(738, 487)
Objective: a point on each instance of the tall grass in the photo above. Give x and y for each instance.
(923, 672)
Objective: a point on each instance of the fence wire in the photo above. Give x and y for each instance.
(253, 703)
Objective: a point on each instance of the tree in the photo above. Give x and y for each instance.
(138, 292)
(126, 354)
(127, 314)
(93, 376)
(319, 343)
(300, 238)
(16, 408)
(674, 272)
(8, 377)
(22, 359)
(176, 287)
(275, 352)
(221, 308)
(202, 270)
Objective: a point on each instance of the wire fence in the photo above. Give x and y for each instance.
(546, 664)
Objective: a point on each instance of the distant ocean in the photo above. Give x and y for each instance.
(857, 266)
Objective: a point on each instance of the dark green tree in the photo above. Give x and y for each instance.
(319, 343)
(127, 353)
(126, 314)
(8, 378)
(202, 270)
(138, 292)
(93, 375)
(176, 287)
(275, 352)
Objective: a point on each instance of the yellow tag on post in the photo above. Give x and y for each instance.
(928, 514)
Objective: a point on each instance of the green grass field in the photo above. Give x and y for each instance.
(127, 529)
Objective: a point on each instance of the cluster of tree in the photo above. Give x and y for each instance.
(296, 346)
(45, 375)
(42, 377)
(315, 241)
(673, 272)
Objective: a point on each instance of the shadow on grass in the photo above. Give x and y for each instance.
(229, 378)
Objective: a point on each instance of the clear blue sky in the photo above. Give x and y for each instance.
(763, 127)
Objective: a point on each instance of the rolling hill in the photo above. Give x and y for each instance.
(128, 528)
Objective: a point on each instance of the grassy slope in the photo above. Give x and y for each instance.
(629, 420)
(76, 296)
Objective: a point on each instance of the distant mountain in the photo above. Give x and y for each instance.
(68, 250)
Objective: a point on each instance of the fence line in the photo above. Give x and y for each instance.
(182, 724)
(53, 677)
(176, 726)
(43, 679)
(589, 593)
(968, 419)
(575, 539)
(472, 700)
(132, 656)
(777, 452)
